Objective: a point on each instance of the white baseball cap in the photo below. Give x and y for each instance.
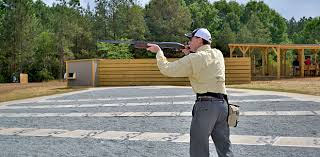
(201, 33)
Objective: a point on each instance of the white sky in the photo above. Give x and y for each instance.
(287, 8)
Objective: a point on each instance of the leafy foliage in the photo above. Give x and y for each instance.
(111, 51)
(167, 23)
(37, 39)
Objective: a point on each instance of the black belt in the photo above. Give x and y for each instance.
(211, 96)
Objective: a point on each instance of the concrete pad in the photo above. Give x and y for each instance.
(42, 132)
(116, 135)
(79, 133)
(149, 136)
(298, 142)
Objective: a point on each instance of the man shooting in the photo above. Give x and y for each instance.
(206, 71)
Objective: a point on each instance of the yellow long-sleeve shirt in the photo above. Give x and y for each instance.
(205, 69)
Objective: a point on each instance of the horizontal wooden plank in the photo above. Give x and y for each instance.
(112, 76)
(106, 72)
(226, 60)
(126, 61)
(130, 76)
(237, 58)
(238, 79)
(233, 73)
(236, 82)
(164, 79)
(237, 63)
(159, 83)
(153, 62)
(239, 67)
(126, 65)
(238, 71)
(154, 68)
(143, 83)
(132, 61)
(130, 69)
(238, 75)
(145, 72)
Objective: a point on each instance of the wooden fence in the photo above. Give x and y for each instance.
(126, 72)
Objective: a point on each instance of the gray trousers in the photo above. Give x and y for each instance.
(209, 118)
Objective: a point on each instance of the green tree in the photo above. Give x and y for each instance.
(3, 63)
(18, 36)
(83, 41)
(278, 29)
(168, 23)
(188, 2)
(110, 15)
(42, 13)
(225, 37)
(234, 21)
(204, 15)
(259, 9)
(260, 34)
(229, 12)
(45, 58)
(224, 8)
(65, 29)
(292, 27)
(311, 31)
(244, 35)
(269, 18)
(295, 30)
(101, 30)
(112, 51)
(131, 23)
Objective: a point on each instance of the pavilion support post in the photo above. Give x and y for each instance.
(243, 50)
(231, 50)
(262, 66)
(253, 64)
(250, 50)
(285, 62)
(298, 58)
(267, 61)
(315, 55)
(253, 60)
(278, 63)
(274, 49)
(301, 62)
(264, 59)
(281, 63)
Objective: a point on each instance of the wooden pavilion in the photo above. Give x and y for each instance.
(280, 51)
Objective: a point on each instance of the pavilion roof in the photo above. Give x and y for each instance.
(282, 46)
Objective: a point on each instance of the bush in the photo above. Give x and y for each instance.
(2, 79)
(44, 75)
(112, 51)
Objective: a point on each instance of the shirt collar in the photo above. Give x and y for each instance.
(204, 48)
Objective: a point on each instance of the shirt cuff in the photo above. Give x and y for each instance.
(160, 56)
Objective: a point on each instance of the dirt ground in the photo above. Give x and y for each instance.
(15, 91)
(294, 85)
